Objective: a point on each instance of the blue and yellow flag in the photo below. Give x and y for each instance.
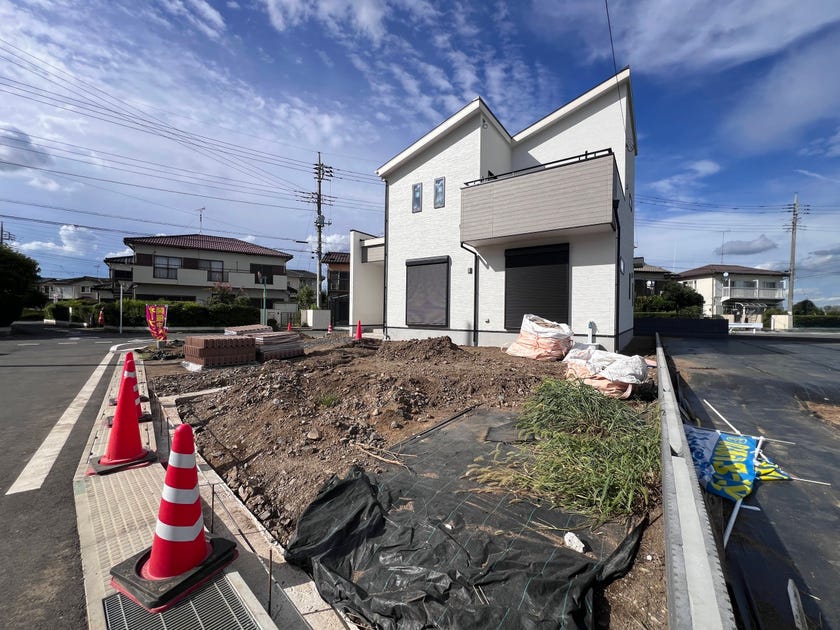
(727, 464)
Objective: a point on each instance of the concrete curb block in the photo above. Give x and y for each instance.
(696, 589)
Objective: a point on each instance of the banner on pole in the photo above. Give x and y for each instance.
(156, 320)
(727, 464)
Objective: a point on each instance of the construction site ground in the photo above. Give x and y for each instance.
(280, 429)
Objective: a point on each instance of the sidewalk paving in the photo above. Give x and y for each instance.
(116, 516)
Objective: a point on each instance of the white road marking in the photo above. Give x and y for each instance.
(33, 475)
(68, 343)
(106, 341)
(31, 343)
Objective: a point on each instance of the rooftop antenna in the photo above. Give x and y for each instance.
(200, 219)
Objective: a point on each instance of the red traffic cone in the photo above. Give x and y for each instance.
(289, 326)
(131, 376)
(181, 557)
(358, 330)
(329, 328)
(124, 448)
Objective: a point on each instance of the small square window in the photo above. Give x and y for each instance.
(417, 198)
(440, 192)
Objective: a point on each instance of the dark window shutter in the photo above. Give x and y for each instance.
(190, 263)
(427, 292)
(144, 260)
(537, 282)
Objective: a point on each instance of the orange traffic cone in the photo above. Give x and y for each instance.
(289, 326)
(182, 557)
(131, 376)
(124, 448)
(358, 330)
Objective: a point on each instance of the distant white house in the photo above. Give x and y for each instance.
(483, 226)
(80, 288)
(736, 291)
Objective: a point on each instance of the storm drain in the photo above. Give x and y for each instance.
(215, 606)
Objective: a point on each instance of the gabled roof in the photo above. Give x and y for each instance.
(478, 105)
(465, 113)
(70, 281)
(299, 273)
(336, 258)
(119, 260)
(206, 242)
(713, 270)
(613, 83)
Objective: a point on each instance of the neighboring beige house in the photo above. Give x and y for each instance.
(483, 226)
(187, 266)
(649, 279)
(297, 278)
(81, 288)
(741, 293)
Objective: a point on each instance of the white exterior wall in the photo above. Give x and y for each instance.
(495, 151)
(597, 125)
(592, 263)
(434, 231)
(625, 290)
(367, 284)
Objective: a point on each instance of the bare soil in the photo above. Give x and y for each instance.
(282, 428)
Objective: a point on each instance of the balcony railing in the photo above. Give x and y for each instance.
(730, 293)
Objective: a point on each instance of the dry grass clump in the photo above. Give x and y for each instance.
(593, 455)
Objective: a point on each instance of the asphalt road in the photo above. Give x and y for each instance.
(41, 373)
(763, 386)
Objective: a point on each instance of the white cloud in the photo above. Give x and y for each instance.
(198, 13)
(364, 17)
(44, 183)
(817, 176)
(17, 152)
(73, 240)
(828, 146)
(120, 253)
(746, 248)
(683, 183)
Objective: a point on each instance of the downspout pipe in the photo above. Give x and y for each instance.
(476, 258)
(617, 222)
(385, 271)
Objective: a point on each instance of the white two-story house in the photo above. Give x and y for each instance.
(483, 226)
(736, 292)
(186, 267)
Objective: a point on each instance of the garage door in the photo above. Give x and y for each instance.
(537, 281)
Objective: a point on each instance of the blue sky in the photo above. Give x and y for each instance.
(124, 118)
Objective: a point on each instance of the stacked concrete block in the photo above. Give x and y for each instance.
(278, 345)
(247, 330)
(219, 350)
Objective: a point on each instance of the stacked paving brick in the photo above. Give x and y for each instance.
(277, 345)
(219, 350)
(248, 330)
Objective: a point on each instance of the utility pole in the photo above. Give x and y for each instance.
(793, 252)
(322, 172)
(5, 236)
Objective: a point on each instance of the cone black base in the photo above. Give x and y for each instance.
(104, 469)
(158, 595)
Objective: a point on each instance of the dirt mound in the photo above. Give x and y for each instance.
(435, 348)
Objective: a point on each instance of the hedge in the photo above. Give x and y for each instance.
(183, 314)
(816, 321)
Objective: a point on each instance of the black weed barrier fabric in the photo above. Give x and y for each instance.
(424, 549)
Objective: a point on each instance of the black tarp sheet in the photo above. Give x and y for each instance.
(427, 548)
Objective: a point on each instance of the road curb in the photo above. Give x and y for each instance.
(696, 588)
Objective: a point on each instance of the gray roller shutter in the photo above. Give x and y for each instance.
(427, 292)
(537, 281)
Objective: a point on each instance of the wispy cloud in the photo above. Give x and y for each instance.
(828, 146)
(814, 175)
(198, 13)
(361, 17)
(660, 36)
(682, 184)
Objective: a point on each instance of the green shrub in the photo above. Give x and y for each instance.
(816, 321)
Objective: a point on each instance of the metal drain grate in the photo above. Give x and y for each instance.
(215, 606)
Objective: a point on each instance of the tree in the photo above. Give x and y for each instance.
(305, 297)
(221, 293)
(18, 274)
(806, 307)
(673, 297)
